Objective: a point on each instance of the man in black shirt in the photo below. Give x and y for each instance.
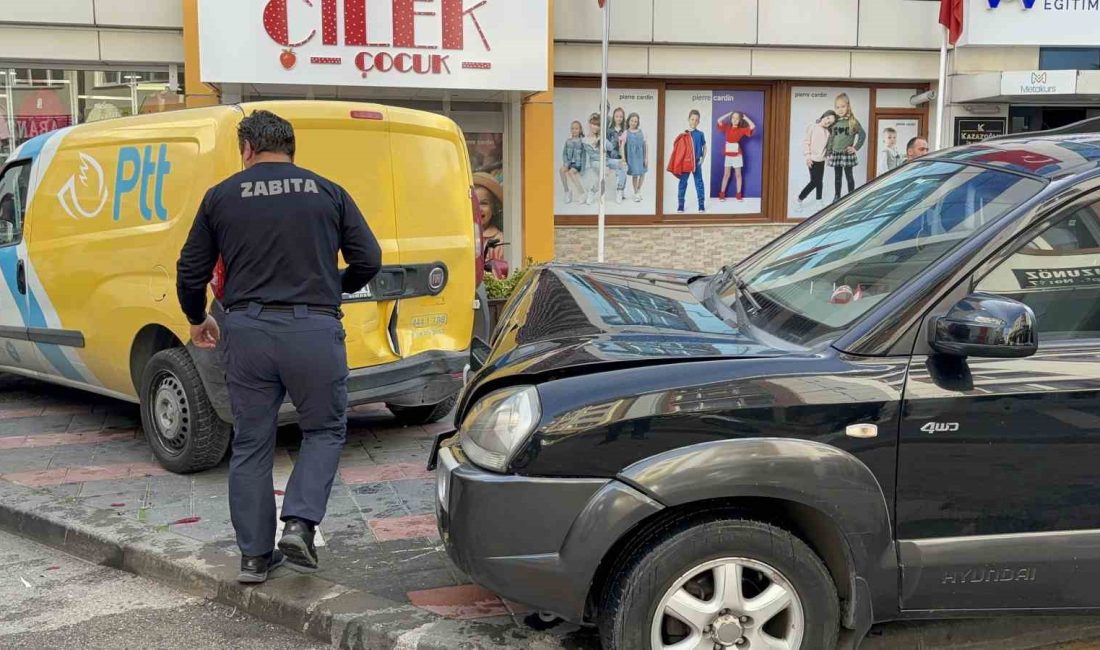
(278, 228)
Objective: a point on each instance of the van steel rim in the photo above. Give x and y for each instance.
(171, 415)
(729, 603)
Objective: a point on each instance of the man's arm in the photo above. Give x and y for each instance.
(360, 248)
(195, 268)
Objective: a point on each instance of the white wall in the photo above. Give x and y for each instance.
(899, 24)
(719, 22)
(92, 31)
(139, 13)
(747, 62)
(904, 24)
(124, 13)
(810, 22)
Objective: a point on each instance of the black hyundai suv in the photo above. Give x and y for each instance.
(890, 412)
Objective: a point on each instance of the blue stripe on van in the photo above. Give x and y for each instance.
(30, 312)
(31, 148)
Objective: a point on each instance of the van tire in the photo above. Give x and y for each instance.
(427, 414)
(628, 606)
(180, 423)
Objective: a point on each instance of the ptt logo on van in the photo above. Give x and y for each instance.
(91, 177)
(137, 170)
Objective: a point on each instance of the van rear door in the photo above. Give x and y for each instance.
(435, 226)
(353, 151)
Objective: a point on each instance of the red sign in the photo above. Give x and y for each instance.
(446, 32)
(29, 126)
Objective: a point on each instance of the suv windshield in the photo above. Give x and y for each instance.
(823, 278)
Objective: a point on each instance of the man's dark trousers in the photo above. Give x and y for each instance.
(270, 354)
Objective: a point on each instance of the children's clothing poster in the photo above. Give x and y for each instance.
(727, 127)
(893, 135)
(830, 137)
(629, 138)
(487, 159)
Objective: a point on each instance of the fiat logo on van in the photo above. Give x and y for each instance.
(90, 177)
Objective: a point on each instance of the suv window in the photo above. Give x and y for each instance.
(827, 274)
(13, 193)
(1057, 274)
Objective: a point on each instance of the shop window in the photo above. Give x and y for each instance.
(41, 101)
(34, 101)
(1069, 58)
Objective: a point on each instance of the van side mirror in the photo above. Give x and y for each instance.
(984, 325)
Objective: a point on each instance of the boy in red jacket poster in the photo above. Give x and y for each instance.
(699, 155)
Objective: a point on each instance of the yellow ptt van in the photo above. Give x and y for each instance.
(92, 219)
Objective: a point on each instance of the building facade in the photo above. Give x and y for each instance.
(794, 103)
(65, 62)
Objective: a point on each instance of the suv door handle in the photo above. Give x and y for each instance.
(21, 277)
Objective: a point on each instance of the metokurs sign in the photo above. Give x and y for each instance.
(457, 44)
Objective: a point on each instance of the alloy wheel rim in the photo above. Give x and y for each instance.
(171, 414)
(732, 602)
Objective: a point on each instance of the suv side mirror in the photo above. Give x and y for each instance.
(984, 325)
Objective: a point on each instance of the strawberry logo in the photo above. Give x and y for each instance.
(288, 58)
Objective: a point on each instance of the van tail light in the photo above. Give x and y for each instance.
(479, 246)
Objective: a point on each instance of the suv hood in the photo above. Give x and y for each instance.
(574, 319)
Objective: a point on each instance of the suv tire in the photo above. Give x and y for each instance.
(646, 578)
(427, 414)
(180, 424)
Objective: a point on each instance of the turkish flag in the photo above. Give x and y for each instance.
(951, 17)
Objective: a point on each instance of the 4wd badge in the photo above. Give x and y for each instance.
(940, 427)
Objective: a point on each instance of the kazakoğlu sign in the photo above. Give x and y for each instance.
(973, 130)
(456, 44)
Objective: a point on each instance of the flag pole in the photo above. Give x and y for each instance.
(941, 94)
(602, 172)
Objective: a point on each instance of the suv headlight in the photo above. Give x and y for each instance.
(499, 424)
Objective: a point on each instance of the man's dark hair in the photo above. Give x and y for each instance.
(913, 142)
(267, 133)
(694, 113)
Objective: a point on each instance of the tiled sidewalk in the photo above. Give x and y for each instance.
(379, 534)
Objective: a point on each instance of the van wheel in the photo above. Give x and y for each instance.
(721, 583)
(180, 424)
(413, 415)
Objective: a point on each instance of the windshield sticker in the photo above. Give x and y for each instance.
(1071, 277)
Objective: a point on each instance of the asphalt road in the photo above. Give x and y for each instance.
(51, 600)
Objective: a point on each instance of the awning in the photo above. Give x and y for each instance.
(1027, 87)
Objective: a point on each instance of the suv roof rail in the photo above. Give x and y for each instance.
(1090, 125)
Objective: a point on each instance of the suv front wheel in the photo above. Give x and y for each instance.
(180, 424)
(721, 583)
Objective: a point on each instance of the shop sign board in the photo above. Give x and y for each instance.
(446, 44)
(1064, 23)
(1039, 82)
(970, 130)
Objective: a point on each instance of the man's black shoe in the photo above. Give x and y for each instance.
(297, 543)
(254, 568)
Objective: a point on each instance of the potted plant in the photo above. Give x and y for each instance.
(501, 289)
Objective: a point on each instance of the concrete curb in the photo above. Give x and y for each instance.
(324, 610)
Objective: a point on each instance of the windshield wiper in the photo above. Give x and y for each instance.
(727, 275)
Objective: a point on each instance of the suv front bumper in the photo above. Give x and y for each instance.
(536, 541)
